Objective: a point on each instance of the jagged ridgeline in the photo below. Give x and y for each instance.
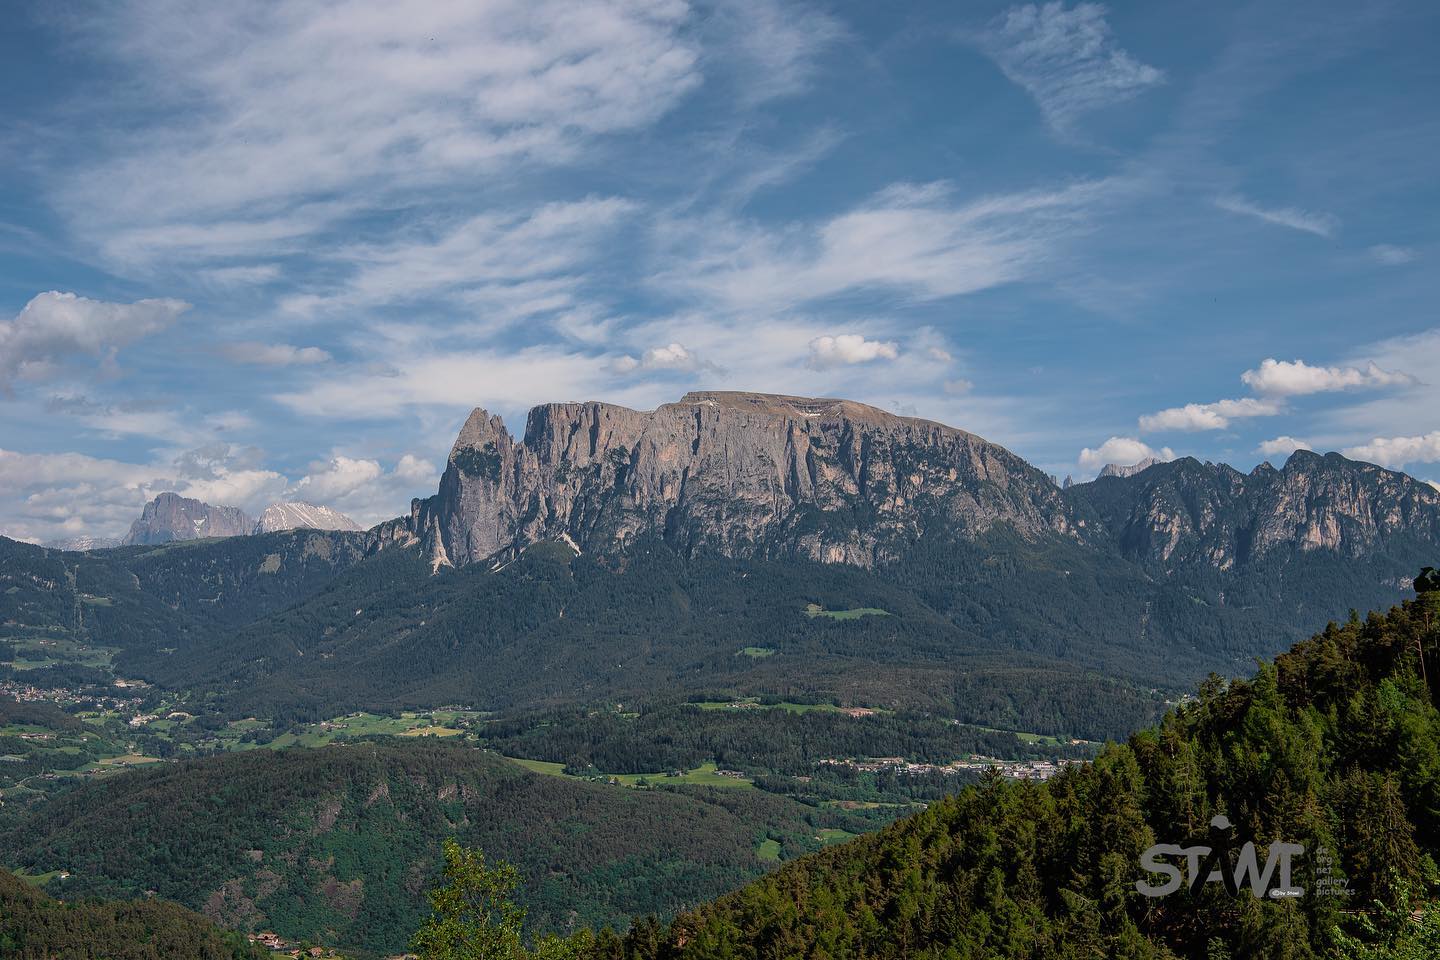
(613, 552)
(1335, 747)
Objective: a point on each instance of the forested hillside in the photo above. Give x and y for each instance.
(1335, 746)
(338, 844)
(34, 926)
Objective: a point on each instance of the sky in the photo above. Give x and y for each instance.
(279, 250)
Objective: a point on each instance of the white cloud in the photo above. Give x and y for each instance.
(1392, 255)
(672, 356)
(55, 327)
(50, 496)
(272, 109)
(1209, 416)
(53, 496)
(910, 238)
(363, 489)
(505, 262)
(1288, 378)
(1066, 59)
(770, 47)
(849, 348)
(241, 275)
(957, 387)
(1281, 446)
(1122, 450)
(274, 354)
(1398, 451)
(1306, 221)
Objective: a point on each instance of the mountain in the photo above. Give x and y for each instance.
(739, 474)
(34, 926)
(614, 553)
(171, 517)
(1122, 470)
(1332, 747)
(1187, 514)
(296, 515)
(340, 843)
(81, 544)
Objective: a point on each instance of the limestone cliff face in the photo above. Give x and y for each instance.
(172, 517)
(1186, 512)
(743, 474)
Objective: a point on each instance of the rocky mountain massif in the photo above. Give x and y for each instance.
(760, 476)
(746, 475)
(704, 545)
(171, 517)
(299, 515)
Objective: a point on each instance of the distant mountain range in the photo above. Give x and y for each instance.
(171, 517)
(763, 476)
(610, 551)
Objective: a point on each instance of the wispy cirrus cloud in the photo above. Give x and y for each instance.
(274, 354)
(915, 240)
(1066, 58)
(1306, 221)
(282, 120)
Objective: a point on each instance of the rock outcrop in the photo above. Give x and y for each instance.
(172, 517)
(1187, 512)
(740, 473)
(1128, 470)
(298, 515)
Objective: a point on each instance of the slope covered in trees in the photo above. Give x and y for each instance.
(338, 844)
(34, 926)
(1335, 746)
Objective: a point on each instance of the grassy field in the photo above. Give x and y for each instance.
(1040, 739)
(753, 703)
(813, 610)
(829, 835)
(756, 652)
(705, 775)
(768, 850)
(368, 724)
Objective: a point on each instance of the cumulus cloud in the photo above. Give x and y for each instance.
(1066, 59)
(1209, 416)
(1392, 255)
(1398, 451)
(671, 356)
(1122, 450)
(274, 354)
(52, 496)
(1306, 221)
(55, 327)
(363, 489)
(1286, 378)
(849, 348)
(1281, 446)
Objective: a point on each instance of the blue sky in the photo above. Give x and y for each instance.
(272, 250)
